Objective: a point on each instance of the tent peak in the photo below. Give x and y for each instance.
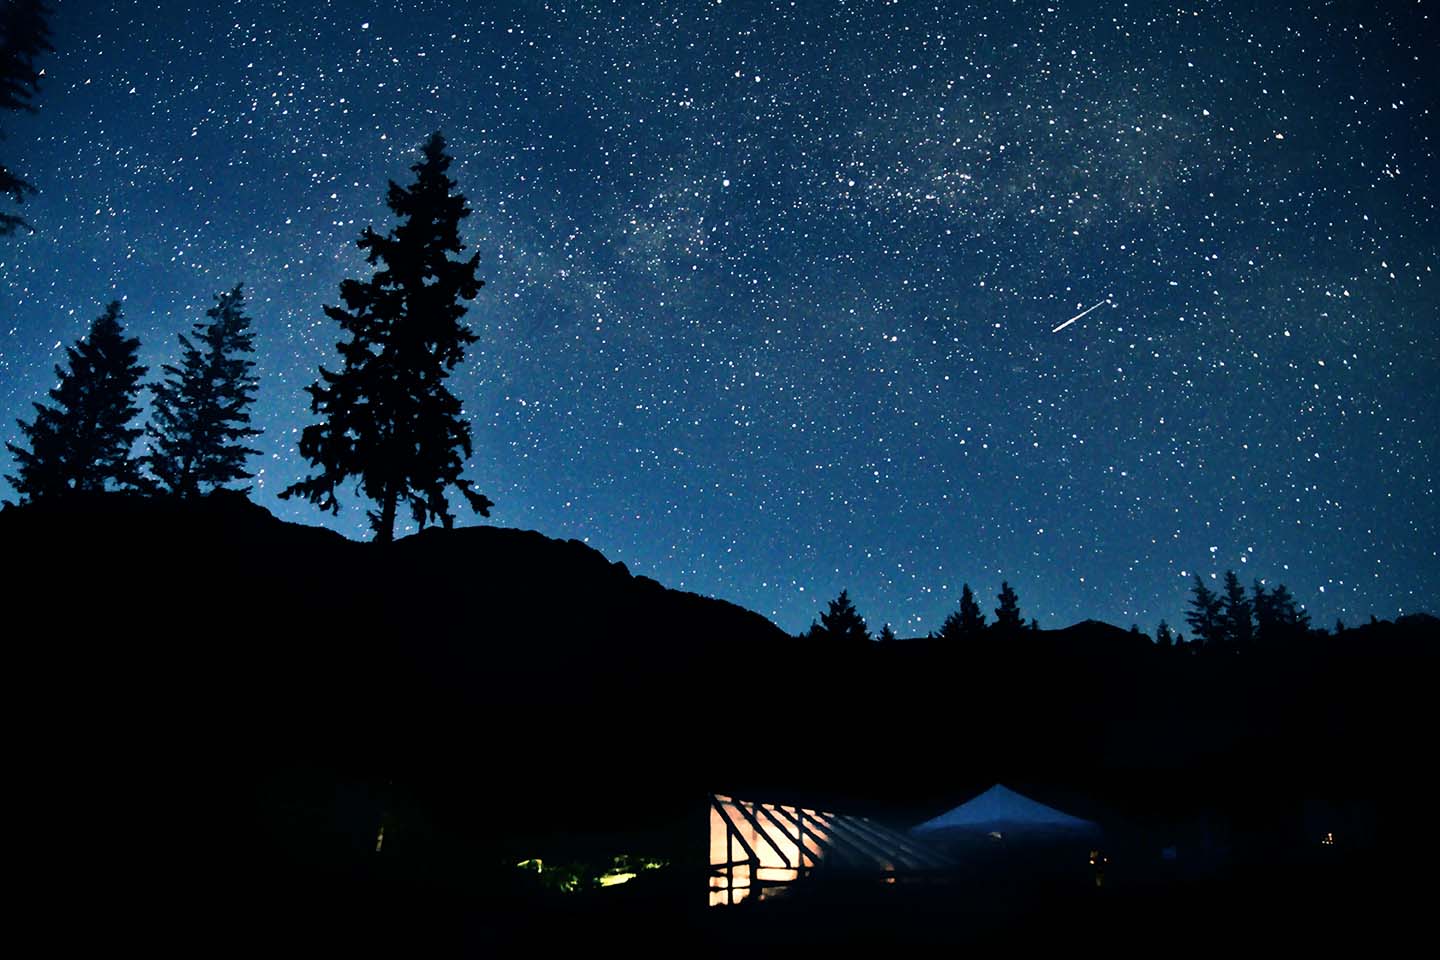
(1002, 808)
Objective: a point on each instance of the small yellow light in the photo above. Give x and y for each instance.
(615, 879)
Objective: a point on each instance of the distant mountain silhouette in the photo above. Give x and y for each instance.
(200, 681)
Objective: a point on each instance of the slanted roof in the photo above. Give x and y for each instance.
(763, 847)
(1002, 809)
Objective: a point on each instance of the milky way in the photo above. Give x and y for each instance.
(773, 288)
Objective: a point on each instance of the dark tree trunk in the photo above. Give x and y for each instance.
(385, 533)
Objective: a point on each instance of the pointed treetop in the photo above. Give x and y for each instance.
(1007, 615)
(82, 442)
(388, 417)
(201, 417)
(1205, 617)
(1163, 636)
(841, 622)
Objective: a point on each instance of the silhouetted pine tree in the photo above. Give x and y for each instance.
(886, 634)
(1007, 615)
(388, 416)
(972, 621)
(1162, 635)
(83, 442)
(24, 35)
(1206, 615)
(841, 622)
(1278, 615)
(201, 417)
(965, 623)
(1260, 604)
(1236, 611)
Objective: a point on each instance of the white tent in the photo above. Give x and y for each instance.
(1003, 812)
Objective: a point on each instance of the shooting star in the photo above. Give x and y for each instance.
(1079, 315)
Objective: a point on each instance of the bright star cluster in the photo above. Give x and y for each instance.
(773, 288)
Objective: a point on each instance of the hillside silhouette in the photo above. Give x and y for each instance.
(243, 701)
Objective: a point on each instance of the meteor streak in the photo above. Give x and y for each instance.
(1078, 316)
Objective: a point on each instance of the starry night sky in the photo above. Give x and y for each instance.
(773, 288)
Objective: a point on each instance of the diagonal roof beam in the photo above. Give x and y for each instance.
(725, 815)
(900, 843)
(838, 842)
(798, 839)
(861, 842)
(769, 841)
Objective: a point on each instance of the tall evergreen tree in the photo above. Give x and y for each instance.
(24, 35)
(82, 443)
(965, 623)
(388, 417)
(201, 416)
(840, 622)
(1278, 615)
(1261, 606)
(1206, 619)
(1007, 615)
(972, 621)
(1162, 635)
(886, 634)
(1236, 612)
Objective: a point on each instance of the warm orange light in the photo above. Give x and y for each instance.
(779, 858)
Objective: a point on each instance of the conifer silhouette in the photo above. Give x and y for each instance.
(966, 622)
(1236, 612)
(1162, 635)
(24, 35)
(388, 417)
(1007, 615)
(1277, 614)
(886, 634)
(840, 622)
(201, 420)
(1206, 615)
(82, 443)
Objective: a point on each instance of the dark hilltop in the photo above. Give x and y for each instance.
(220, 709)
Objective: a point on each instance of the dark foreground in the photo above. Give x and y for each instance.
(1327, 909)
(213, 714)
